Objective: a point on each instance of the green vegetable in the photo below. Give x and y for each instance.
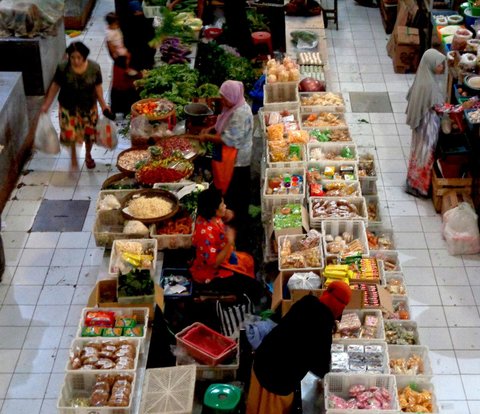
(208, 90)
(346, 152)
(257, 22)
(135, 283)
(321, 136)
(170, 27)
(303, 36)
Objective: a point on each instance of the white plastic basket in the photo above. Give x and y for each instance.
(421, 384)
(339, 385)
(274, 172)
(332, 147)
(168, 390)
(401, 279)
(80, 385)
(294, 239)
(380, 231)
(321, 165)
(287, 164)
(146, 244)
(118, 194)
(390, 259)
(140, 314)
(80, 344)
(410, 325)
(172, 241)
(109, 227)
(369, 185)
(358, 202)
(338, 130)
(385, 362)
(375, 202)
(380, 334)
(342, 123)
(321, 107)
(406, 351)
(337, 227)
(356, 192)
(266, 112)
(280, 93)
(396, 300)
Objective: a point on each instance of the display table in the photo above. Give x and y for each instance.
(36, 58)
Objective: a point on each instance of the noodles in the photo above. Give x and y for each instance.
(149, 207)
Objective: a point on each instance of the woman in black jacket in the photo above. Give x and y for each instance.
(299, 343)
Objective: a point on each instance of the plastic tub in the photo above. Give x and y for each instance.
(337, 227)
(362, 313)
(385, 368)
(294, 239)
(407, 351)
(176, 272)
(151, 244)
(358, 202)
(332, 147)
(421, 384)
(409, 325)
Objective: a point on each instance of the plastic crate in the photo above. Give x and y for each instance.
(332, 147)
(205, 344)
(320, 165)
(176, 272)
(280, 93)
(339, 115)
(410, 325)
(287, 164)
(406, 351)
(80, 343)
(146, 244)
(357, 192)
(385, 369)
(379, 231)
(294, 239)
(320, 108)
(339, 130)
(266, 112)
(358, 202)
(119, 195)
(339, 385)
(168, 390)
(398, 276)
(80, 385)
(171, 241)
(380, 334)
(337, 227)
(140, 314)
(421, 384)
(109, 227)
(390, 259)
(368, 185)
(396, 301)
(374, 201)
(275, 172)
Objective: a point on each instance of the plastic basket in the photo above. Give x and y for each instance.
(357, 192)
(358, 202)
(171, 241)
(80, 343)
(460, 98)
(421, 384)
(385, 368)
(338, 130)
(399, 277)
(406, 351)
(319, 107)
(374, 201)
(109, 227)
(146, 244)
(321, 165)
(332, 147)
(337, 227)
(119, 195)
(339, 115)
(280, 93)
(474, 9)
(368, 185)
(396, 301)
(168, 390)
(294, 239)
(80, 385)
(275, 172)
(390, 259)
(205, 344)
(287, 164)
(176, 272)
(362, 313)
(140, 314)
(410, 325)
(339, 385)
(379, 231)
(266, 112)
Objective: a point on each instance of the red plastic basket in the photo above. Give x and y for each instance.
(205, 344)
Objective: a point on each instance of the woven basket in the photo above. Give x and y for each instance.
(164, 117)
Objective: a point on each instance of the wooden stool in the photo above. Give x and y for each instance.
(263, 38)
(332, 14)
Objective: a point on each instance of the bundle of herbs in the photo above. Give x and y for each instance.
(135, 283)
(170, 26)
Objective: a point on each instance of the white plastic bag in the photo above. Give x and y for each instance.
(460, 229)
(46, 138)
(307, 280)
(107, 133)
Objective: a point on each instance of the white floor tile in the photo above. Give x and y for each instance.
(394, 179)
(9, 361)
(476, 294)
(68, 257)
(22, 295)
(428, 316)
(435, 241)
(419, 276)
(35, 361)
(14, 239)
(31, 192)
(31, 275)
(54, 385)
(468, 361)
(73, 240)
(472, 260)
(431, 224)
(400, 224)
(441, 258)
(453, 407)
(49, 315)
(24, 405)
(41, 337)
(414, 258)
(465, 338)
(474, 406)
(407, 240)
(56, 295)
(473, 274)
(41, 240)
(456, 296)
(61, 359)
(424, 295)
(425, 207)
(16, 315)
(49, 405)
(68, 335)
(443, 362)
(450, 275)
(4, 383)
(462, 316)
(62, 275)
(28, 386)
(471, 384)
(449, 387)
(435, 338)
(18, 223)
(88, 275)
(36, 257)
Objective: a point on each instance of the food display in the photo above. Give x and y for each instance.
(178, 146)
(137, 282)
(350, 326)
(130, 254)
(379, 241)
(357, 358)
(412, 401)
(168, 170)
(285, 71)
(331, 172)
(344, 244)
(399, 334)
(323, 119)
(396, 286)
(333, 189)
(108, 202)
(279, 123)
(371, 298)
(109, 324)
(474, 116)
(400, 310)
(181, 223)
(301, 252)
(111, 354)
(363, 398)
(352, 269)
(372, 210)
(390, 263)
(413, 365)
(283, 151)
(153, 109)
(135, 227)
(304, 39)
(127, 160)
(326, 135)
(322, 99)
(366, 166)
(321, 154)
(341, 208)
(287, 216)
(310, 58)
(283, 184)
(144, 207)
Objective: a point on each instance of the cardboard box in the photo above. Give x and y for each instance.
(452, 199)
(104, 295)
(406, 49)
(384, 300)
(293, 230)
(285, 303)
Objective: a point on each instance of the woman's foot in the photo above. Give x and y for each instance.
(90, 163)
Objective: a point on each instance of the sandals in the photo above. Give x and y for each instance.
(90, 163)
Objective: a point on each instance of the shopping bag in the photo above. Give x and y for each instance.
(46, 138)
(107, 133)
(460, 229)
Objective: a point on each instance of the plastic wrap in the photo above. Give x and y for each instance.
(30, 18)
(461, 230)
(307, 281)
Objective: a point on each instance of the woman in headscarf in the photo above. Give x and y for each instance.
(428, 90)
(231, 161)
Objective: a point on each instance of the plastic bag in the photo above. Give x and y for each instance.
(46, 138)
(460, 229)
(304, 281)
(107, 133)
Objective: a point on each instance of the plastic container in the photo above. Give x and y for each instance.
(151, 11)
(390, 260)
(410, 325)
(339, 385)
(109, 227)
(343, 130)
(150, 244)
(205, 344)
(326, 184)
(294, 111)
(358, 202)
(381, 232)
(321, 165)
(286, 164)
(396, 276)
(385, 369)
(280, 93)
(294, 239)
(421, 384)
(474, 9)
(362, 313)
(374, 202)
(140, 314)
(397, 301)
(80, 343)
(337, 227)
(406, 351)
(276, 172)
(80, 385)
(176, 272)
(320, 108)
(168, 390)
(341, 123)
(332, 147)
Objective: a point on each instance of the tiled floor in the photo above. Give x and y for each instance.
(50, 275)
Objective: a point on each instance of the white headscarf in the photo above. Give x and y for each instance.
(428, 89)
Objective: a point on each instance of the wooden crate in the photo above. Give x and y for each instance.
(440, 186)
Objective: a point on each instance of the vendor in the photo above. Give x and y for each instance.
(231, 165)
(216, 262)
(300, 343)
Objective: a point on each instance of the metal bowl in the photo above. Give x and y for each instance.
(473, 82)
(157, 193)
(196, 109)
